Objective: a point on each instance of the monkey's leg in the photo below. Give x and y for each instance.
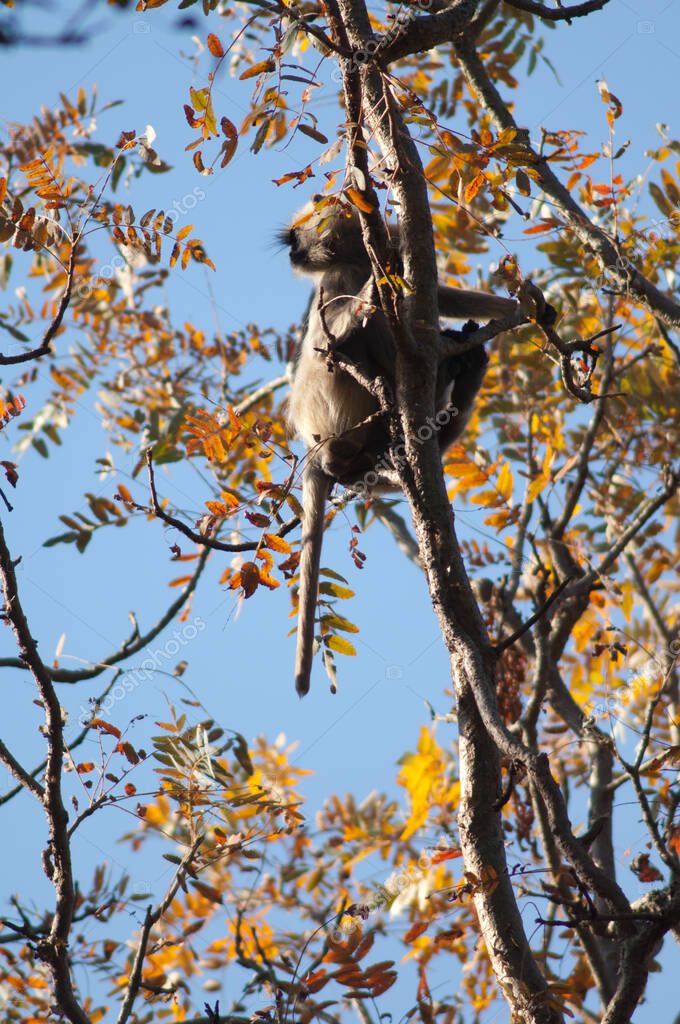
(460, 303)
(459, 379)
(315, 490)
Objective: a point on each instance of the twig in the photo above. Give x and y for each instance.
(44, 348)
(84, 814)
(644, 514)
(207, 543)
(26, 779)
(256, 397)
(151, 918)
(577, 483)
(136, 643)
(54, 948)
(538, 614)
(6, 797)
(559, 13)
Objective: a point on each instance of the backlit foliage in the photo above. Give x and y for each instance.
(282, 916)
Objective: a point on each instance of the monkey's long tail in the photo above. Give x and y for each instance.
(315, 490)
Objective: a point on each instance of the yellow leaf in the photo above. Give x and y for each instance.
(536, 486)
(341, 645)
(439, 167)
(334, 621)
(335, 590)
(229, 499)
(199, 98)
(504, 483)
(499, 519)
(488, 498)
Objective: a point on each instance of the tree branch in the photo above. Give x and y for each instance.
(592, 236)
(557, 13)
(151, 918)
(54, 948)
(25, 778)
(44, 348)
(136, 643)
(207, 543)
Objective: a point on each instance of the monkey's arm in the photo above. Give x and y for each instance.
(460, 303)
(315, 490)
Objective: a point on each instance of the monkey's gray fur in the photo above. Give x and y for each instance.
(328, 407)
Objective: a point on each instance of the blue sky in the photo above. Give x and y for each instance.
(241, 665)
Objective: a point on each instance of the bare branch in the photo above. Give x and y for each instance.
(136, 643)
(26, 779)
(53, 949)
(532, 620)
(558, 13)
(424, 32)
(207, 543)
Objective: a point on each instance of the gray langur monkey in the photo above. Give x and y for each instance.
(329, 409)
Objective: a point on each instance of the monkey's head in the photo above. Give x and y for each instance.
(325, 234)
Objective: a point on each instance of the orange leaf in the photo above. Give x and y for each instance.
(364, 946)
(257, 69)
(179, 581)
(359, 200)
(416, 930)
(215, 46)
(99, 723)
(125, 494)
(249, 578)
(384, 982)
(316, 981)
(539, 229)
(473, 187)
(276, 543)
(442, 855)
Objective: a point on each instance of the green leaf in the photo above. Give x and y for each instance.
(19, 335)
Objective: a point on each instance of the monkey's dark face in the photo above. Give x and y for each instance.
(322, 237)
